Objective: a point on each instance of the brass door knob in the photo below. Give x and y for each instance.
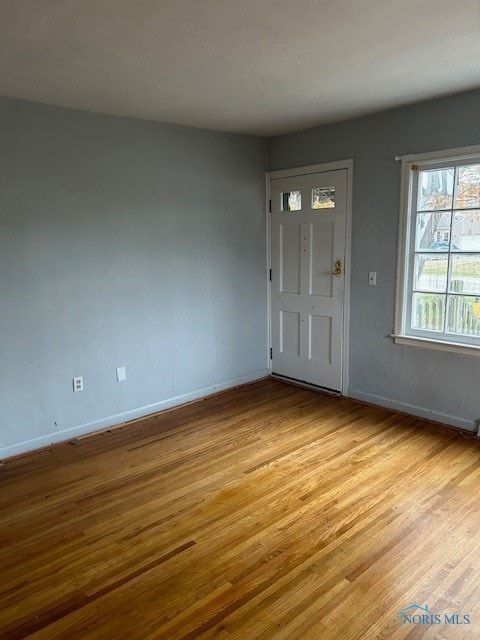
(337, 270)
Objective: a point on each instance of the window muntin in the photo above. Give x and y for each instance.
(442, 258)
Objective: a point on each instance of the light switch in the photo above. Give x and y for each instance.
(372, 278)
(121, 374)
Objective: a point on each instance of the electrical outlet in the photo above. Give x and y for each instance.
(121, 374)
(78, 384)
(372, 278)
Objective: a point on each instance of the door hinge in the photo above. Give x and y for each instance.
(270, 274)
(271, 353)
(270, 206)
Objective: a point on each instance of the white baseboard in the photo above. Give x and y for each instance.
(420, 412)
(103, 423)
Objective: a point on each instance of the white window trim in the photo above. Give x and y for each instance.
(400, 336)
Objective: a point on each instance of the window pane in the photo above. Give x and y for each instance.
(291, 201)
(465, 274)
(428, 311)
(431, 272)
(468, 186)
(466, 231)
(464, 315)
(435, 189)
(433, 231)
(323, 198)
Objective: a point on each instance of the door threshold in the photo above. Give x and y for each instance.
(305, 384)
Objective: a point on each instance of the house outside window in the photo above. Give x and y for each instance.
(438, 279)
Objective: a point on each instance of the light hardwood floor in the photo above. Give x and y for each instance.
(268, 512)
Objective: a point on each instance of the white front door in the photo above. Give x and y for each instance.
(308, 240)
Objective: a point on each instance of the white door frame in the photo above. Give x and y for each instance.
(299, 171)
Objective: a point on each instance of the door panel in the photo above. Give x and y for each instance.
(320, 340)
(308, 224)
(321, 258)
(290, 258)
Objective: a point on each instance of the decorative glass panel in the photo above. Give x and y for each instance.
(468, 187)
(464, 315)
(323, 198)
(435, 189)
(291, 201)
(433, 231)
(466, 231)
(465, 277)
(428, 311)
(431, 272)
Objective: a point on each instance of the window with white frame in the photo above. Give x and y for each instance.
(438, 292)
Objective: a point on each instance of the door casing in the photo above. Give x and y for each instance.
(298, 171)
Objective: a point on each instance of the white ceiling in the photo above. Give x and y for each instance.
(252, 66)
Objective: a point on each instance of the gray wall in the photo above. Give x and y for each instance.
(123, 242)
(431, 383)
(134, 243)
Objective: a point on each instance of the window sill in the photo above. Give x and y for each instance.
(426, 343)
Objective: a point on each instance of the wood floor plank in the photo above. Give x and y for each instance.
(266, 512)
